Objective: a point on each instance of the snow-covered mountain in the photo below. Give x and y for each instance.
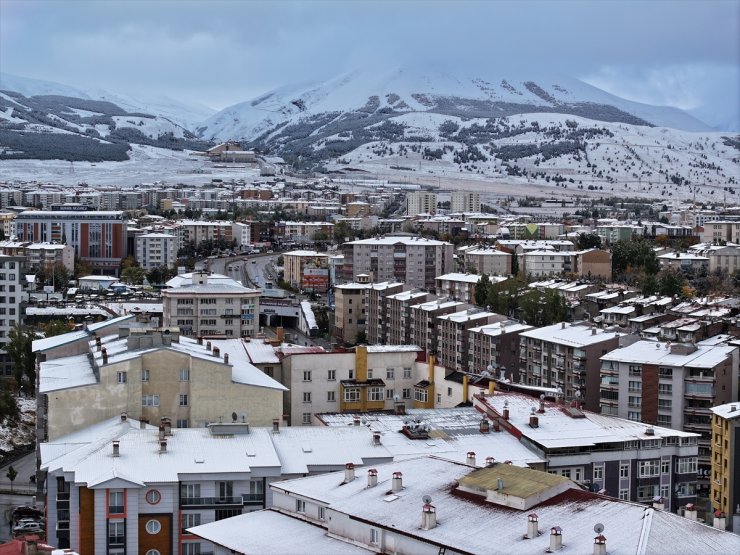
(179, 113)
(378, 94)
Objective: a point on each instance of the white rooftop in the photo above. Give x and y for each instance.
(57, 340)
(569, 334)
(655, 352)
(420, 241)
(729, 411)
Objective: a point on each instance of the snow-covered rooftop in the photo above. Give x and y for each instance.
(655, 352)
(569, 334)
(729, 411)
(392, 240)
(47, 343)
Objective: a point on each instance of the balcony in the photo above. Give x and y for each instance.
(233, 501)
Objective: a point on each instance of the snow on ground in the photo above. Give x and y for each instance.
(82, 113)
(18, 436)
(151, 127)
(8, 116)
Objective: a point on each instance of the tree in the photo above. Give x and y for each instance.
(128, 262)
(588, 241)
(9, 410)
(481, 290)
(12, 475)
(514, 264)
(361, 338)
(133, 275)
(82, 268)
(20, 351)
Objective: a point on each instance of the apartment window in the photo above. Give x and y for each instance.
(190, 491)
(374, 536)
(646, 493)
(389, 373)
(116, 532)
(153, 526)
(624, 471)
(191, 548)
(686, 465)
(665, 372)
(406, 393)
(145, 375)
(665, 466)
(121, 377)
(420, 394)
(306, 375)
(665, 389)
(376, 393)
(439, 398)
(649, 468)
(352, 395)
(369, 373)
(389, 394)
(664, 420)
(306, 418)
(331, 375)
(115, 502)
(322, 513)
(634, 402)
(598, 472)
(306, 396)
(351, 374)
(624, 494)
(665, 404)
(300, 506)
(183, 423)
(190, 520)
(635, 370)
(331, 396)
(184, 375)
(635, 386)
(150, 400)
(449, 392)
(634, 415)
(183, 400)
(407, 373)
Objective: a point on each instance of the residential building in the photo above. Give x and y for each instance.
(156, 250)
(495, 347)
(11, 305)
(461, 201)
(88, 376)
(421, 202)
(377, 310)
(720, 231)
(542, 263)
(415, 261)
(195, 232)
(424, 322)
(307, 270)
(398, 315)
(242, 234)
(492, 262)
(7, 220)
(461, 287)
(726, 259)
(683, 261)
(673, 385)
(304, 232)
(453, 337)
(593, 264)
(222, 308)
(725, 477)
(40, 256)
(350, 311)
(566, 356)
(98, 238)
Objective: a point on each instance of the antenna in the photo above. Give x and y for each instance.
(598, 528)
(427, 499)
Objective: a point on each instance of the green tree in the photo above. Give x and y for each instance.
(20, 351)
(514, 264)
(361, 338)
(481, 290)
(588, 241)
(9, 411)
(670, 283)
(133, 275)
(12, 474)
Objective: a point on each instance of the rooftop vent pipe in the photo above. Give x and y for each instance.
(372, 478)
(600, 545)
(532, 526)
(471, 458)
(349, 472)
(397, 482)
(116, 448)
(428, 516)
(556, 539)
(163, 445)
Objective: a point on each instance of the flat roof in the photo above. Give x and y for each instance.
(572, 335)
(655, 352)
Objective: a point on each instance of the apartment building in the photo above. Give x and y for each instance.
(398, 315)
(221, 309)
(542, 263)
(461, 201)
(86, 377)
(195, 232)
(40, 256)
(377, 310)
(673, 385)
(461, 287)
(424, 327)
(350, 310)
(720, 231)
(7, 221)
(156, 250)
(421, 202)
(415, 261)
(12, 270)
(453, 337)
(725, 476)
(566, 356)
(495, 348)
(98, 238)
(492, 262)
(308, 270)
(303, 232)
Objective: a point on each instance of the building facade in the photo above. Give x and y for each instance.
(156, 250)
(725, 477)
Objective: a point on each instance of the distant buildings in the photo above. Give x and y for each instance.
(421, 202)
(11, 302)
(306, 270)
(156, 250)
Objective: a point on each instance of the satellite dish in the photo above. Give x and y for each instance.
(427, 499)
(598, 528)
(542, 397)
(396, 398)
(578, 394)
(233, 417)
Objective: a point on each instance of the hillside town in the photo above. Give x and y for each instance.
(274, 363)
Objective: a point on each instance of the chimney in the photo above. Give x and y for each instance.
(484, 426)
(397, 482)
(600, 545)
(471, 458)
(556, 539)
(532, 526)
(208, 345)
(97, 342)
(428, 516)
(167, 423)
(562, 325)
(541, 410)
(142, 425)
(275, 425)
(490, 461)
(124, 417)
(161, 431)
(372, 478)
(658, 503)
(690, 512)
(376, 438)
(593, 331)
(226, 358)
(200, 340)
(104, 352)
(163, 445)
(534, 421)
(720, 521)
(506, 410)
(349, 472)
(217, 352)
(356, 420)
(116, 448)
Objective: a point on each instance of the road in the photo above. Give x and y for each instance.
(26, 467)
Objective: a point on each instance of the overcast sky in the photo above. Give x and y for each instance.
(680, 53)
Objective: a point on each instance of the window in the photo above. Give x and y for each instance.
(322, 513)
(389, 394)
(646, 493)
(665, 389)
(331, 375)
(351, 374)
(185, 375)
(153, 526)
(649, 468)
(352, 395)
(565, 472)
(115, 502)
(407, 373)
(685, 489)
(376, 393)
(633, 415)
(598, 472)
(665, 466)
(635, 370)
(183, 400)
(374, 536)
(191, 549)
(665, 373)
(664, 420)
(439, 398)
(306, 396)
(306, 375)
(116, 532)
(420, 394)
(664, 404)
(152, 552)
(686, 465)
(624, 471)
(624, 494)
(183, 423)
(190, 491)
(634, 402)
(190, 520)
(300, 506)
(449, 392)
(145, 375)
(121, 377)
(389, 372)
(306, 417)
(150, 400)
(331, 396)
(635, 386)
(369, 373)
(153, 496)
(225, 490)
(406, 393)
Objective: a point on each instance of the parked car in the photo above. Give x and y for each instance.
(27, 527)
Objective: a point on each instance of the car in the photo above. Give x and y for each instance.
(254, 262)
(28, 527)
(270, 251)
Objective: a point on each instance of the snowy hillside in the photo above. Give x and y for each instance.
(433, 89)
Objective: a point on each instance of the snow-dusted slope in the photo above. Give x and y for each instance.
(437, 89)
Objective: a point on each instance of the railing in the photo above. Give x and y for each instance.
(201, 501)
(116, 509)
(62, 496)
(116, 540)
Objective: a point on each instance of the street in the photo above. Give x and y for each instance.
(24, 491)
